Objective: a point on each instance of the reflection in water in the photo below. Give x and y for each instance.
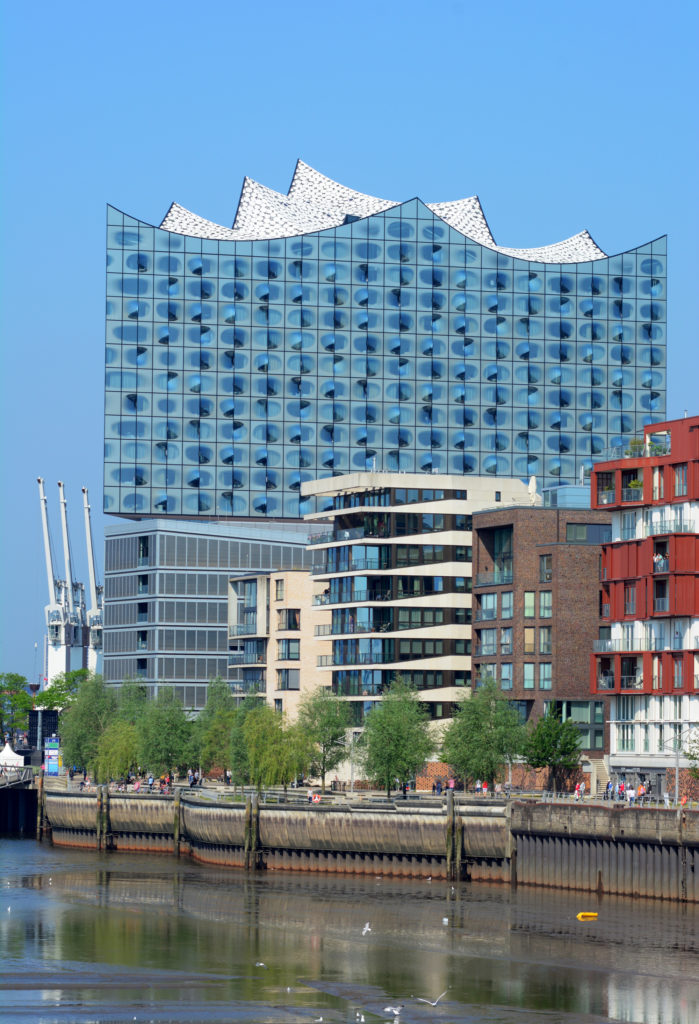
(116, 937)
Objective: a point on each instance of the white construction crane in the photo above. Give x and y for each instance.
(66, 637)
(94, 611)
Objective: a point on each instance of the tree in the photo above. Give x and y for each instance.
(15, 703)
(555, 745)
(132, 700)
(325, 720)
(164, 734)
(84, 721)
(396, 740)
(691, 752)
(295, 753)
(262, 732)
(212, 731)
(117, 750)
(63, 690)
(240, 764)
(484, 734)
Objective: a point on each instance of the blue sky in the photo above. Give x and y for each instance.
(559, 116)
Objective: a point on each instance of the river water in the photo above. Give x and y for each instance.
(116, 938)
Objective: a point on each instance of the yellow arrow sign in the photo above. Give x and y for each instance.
(585, 915)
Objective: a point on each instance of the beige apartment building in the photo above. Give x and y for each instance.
(272, 632)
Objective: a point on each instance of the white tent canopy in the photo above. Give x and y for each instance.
(8, 758)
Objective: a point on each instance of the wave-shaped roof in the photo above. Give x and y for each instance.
(315, 202)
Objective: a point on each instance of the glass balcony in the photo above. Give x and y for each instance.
(486, 650)
(494, 578)
(661, 563)
(337, 535)
(661, 604)
(485, 614)
(632, 682)
(357, 598)
(606, 681)
(632, 494)
(667, 526)
(243, 629)
(607, 497)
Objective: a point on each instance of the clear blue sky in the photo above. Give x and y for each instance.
(560, 116)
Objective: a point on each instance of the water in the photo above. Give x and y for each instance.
(122, 938)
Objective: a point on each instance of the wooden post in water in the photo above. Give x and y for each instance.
(176, 823)
(255, 832)
(247, 833)
(40, 809)
(98, 818)
(450, 835)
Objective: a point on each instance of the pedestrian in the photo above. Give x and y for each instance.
(434, 788)
(478, 787)
(150, 783)
(439, 787)
(582, 790)
(310, 796)
(609, 791)
(577, 791)
(622, 790)
(484, 788)
(631, 794)
(616, 790)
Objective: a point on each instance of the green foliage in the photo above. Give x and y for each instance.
(396, 740)
(555, 745)
(262, 733)
(326, 721)
(117, 750)
(240, 764)
(484, 734)
(64, 690)
(691, 752)
(84, 721)
(295, 753)
(132, 700)
(15, 703)
(213, 730)
(164, 734)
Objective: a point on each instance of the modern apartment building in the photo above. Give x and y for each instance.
(536, 603)
(393, 567)
(646, 658)
(330, 332)
(274, 637)
(166, 596)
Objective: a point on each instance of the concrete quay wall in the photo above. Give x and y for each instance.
(592, 848)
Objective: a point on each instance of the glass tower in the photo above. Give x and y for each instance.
(329, 331)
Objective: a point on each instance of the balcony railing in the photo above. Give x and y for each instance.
(632, 494)
(358, 565)
(606, 682)
(661, 604)
(329, 660)
(632, 682)
(667, 526)
(245, 659)
(628, 533)
(337, 535)
(486, 650)
(485, 615)
(243, 629)
(606, 497)
(651, 445)
(629, 607)
(605, 611)
(661, 564)
(494, 578)
(357, 598)
(639, 644)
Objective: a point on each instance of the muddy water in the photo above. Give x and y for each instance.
(125, 938)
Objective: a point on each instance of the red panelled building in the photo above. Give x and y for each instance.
(647, 655)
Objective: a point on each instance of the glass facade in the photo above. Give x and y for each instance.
(235, 370)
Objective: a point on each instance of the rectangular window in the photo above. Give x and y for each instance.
(506, 640)
(288, 650)
(489, 606)
(279, 590)
(288, 679)
(528, 678)
(488, 641)
(545, 568)
(658, 483)
(657, 673)
(545, 675)
(289, 618)
(143, 584)
(677, 673)
(629, 599)
(545, 640)
(680, 476)
(545, 604)
(143, 550)
(529, 640)
(142, 611)
(625, 738)
(141, 668)
(278, 704)
(529, 604)
(506, 604)
(142, 639)
(506, 676)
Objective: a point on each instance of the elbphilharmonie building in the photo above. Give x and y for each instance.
(328, 331)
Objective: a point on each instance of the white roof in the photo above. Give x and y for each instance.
(315, 202)
(8, 758)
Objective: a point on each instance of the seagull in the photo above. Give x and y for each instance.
(421, 1000)
(258, 963)
(366, 928)
(395, 1010)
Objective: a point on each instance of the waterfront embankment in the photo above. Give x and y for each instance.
(644, 851)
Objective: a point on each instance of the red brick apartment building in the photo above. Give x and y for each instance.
(646, 658)
(536, 613)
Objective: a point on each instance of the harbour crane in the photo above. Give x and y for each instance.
(94, 611)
